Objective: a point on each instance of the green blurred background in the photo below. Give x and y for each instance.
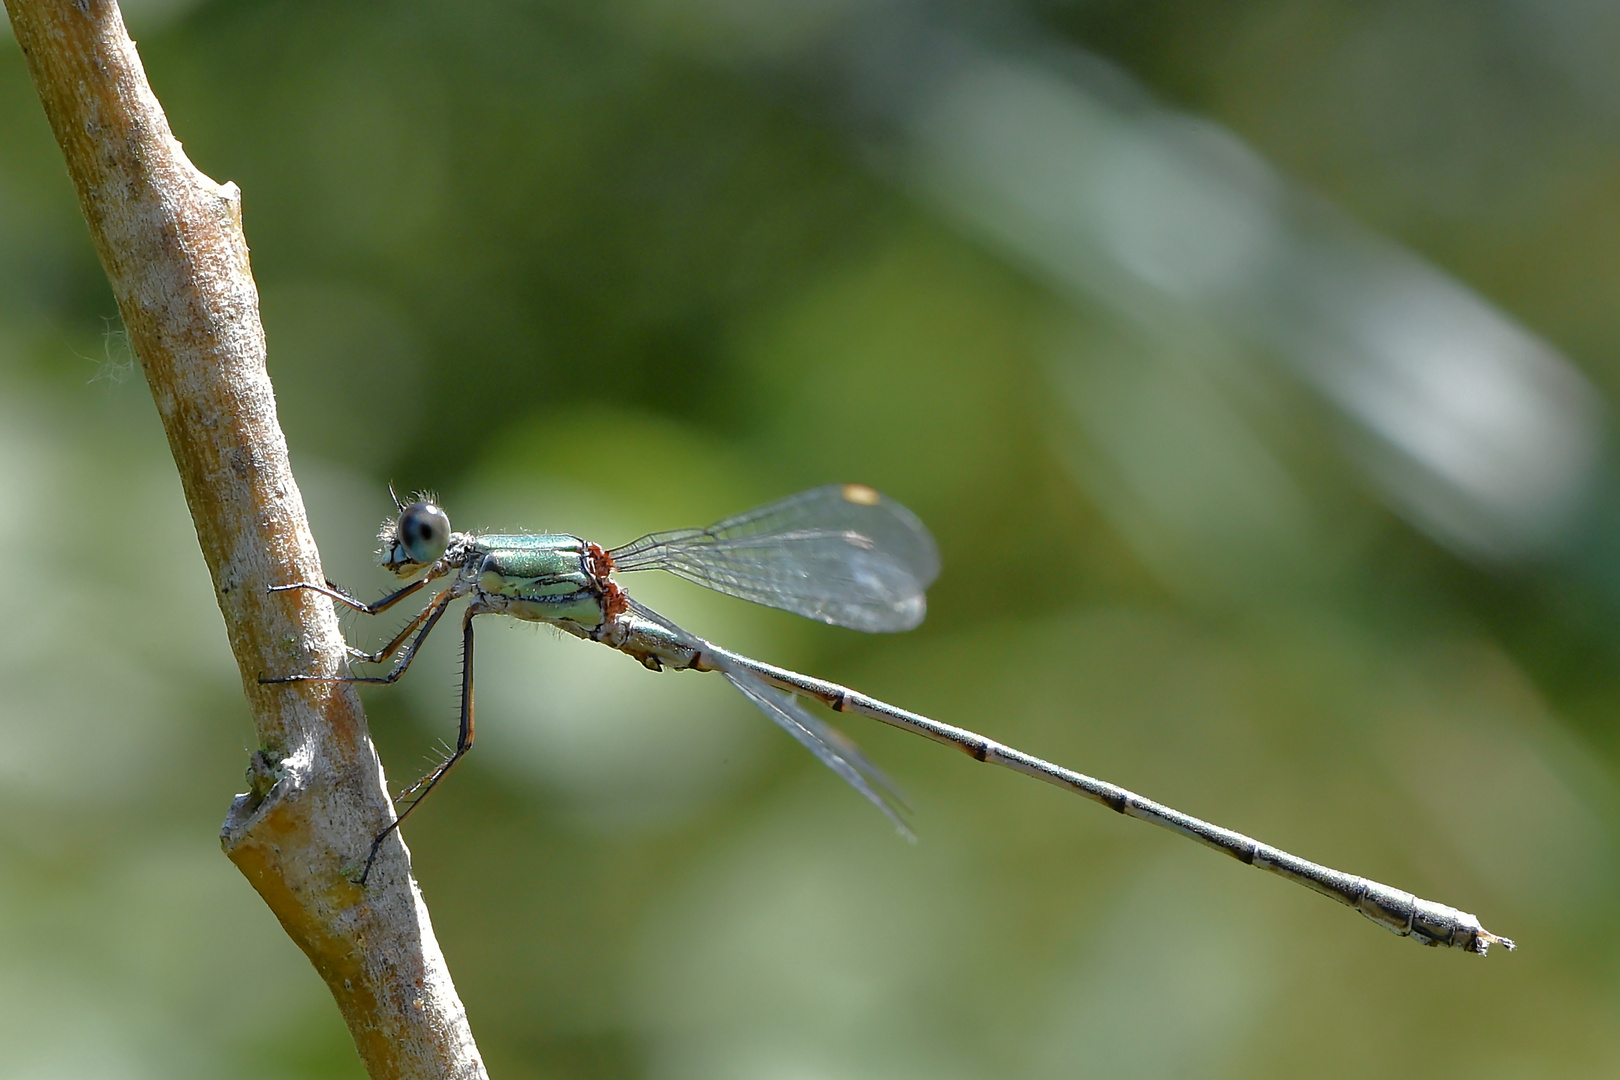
(1247, 359)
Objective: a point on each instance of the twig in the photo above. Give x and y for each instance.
(171, 242)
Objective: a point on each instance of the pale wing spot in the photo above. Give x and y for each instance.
(861, 494)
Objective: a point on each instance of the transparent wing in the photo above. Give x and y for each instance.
(843, 554)
(832, 747)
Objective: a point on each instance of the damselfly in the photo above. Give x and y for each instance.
(843, 554)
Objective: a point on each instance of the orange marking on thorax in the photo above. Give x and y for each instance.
(600, 562)
(615, 601)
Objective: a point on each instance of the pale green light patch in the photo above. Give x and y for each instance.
(121, 976)
(847, 349)
(810, 945)
(1175, 979)
(1528, 808)
(1178, 468)
(333, 345)
(91, 707)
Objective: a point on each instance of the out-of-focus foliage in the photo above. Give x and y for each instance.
(1241, 504)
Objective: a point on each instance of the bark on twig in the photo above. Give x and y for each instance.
(172, 245)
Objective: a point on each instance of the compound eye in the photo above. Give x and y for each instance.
(424, 532)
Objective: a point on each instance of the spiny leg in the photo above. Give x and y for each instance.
(399, 639)
(342, 597)
(464, 738)
(427, 619)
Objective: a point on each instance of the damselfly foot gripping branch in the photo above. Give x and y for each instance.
(843, 554)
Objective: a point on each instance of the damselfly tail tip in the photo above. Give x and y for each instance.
(1485, 939)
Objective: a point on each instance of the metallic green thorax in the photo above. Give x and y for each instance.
(539, 578)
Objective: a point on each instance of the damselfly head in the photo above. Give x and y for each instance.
(418, 536)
